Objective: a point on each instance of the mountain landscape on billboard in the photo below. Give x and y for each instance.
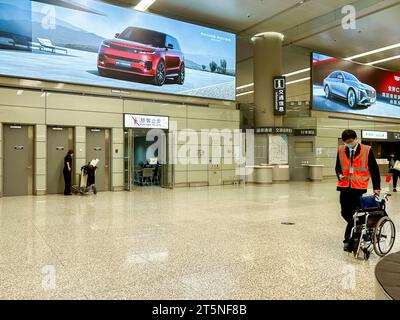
(66, 34)
(15, 20)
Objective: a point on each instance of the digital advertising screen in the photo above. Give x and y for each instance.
(94, 43)
(341, 85)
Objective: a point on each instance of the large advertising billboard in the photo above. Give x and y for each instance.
(95, 43)
(341, 85)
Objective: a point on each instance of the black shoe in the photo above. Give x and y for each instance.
(394, 190)
(346, 246)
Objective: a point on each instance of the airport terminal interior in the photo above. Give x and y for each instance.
(199, 150)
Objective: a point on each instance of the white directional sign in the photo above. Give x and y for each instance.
(380, 135)
(139, 121)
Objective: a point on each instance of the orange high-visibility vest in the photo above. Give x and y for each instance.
(357, 176)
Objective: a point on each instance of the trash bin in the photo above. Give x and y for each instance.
(315, 172)
(281, 173)
(263, 174)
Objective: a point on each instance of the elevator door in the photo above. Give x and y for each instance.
(59, 141)
(18, 160)
(98, 147)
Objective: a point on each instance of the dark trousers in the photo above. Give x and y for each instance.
(395, 177)
(349, 202)
(67, 181)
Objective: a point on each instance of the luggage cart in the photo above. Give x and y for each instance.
(87, 179)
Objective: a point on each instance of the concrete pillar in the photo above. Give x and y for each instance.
(40, 160)
(267, 64)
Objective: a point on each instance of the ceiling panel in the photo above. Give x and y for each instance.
(374, 31)
(298, 15)
(234, 15)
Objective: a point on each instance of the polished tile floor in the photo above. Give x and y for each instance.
(200, 243)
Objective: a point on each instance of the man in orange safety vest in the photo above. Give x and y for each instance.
(355, 165)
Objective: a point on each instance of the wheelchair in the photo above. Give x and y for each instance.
(373, 230)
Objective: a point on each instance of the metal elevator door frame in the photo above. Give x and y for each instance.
(128, 158)
(59, 140)
(168, 168)
(98, 145)
(18, 157)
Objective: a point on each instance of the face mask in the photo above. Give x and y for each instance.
(351, 145)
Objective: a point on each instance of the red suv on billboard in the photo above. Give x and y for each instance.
(144, 53)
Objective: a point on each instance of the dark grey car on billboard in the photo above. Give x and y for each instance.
(344, 85)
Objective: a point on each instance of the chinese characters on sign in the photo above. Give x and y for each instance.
(145, 122)
(279, 96)
(305, 132)
(274, 130)
(393, 94)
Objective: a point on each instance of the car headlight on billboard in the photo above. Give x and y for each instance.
(145, 52)
(105, 44)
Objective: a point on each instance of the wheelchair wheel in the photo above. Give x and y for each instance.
(384, 236)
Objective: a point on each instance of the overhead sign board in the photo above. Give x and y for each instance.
(379, 135)
(342, 85)
(139, 121)
(305, 132)
(274, 130)
(279, 96)
(94, 42)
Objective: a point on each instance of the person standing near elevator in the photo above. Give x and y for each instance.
(67, 171)
(355, 165)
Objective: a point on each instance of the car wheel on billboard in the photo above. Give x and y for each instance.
(181, 78)
(351, 98)
(159, 78)
(327, 92)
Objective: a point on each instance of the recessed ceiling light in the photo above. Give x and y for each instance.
(245, 86)
(270, 34)
(143, 5)
(393, 46)
(383, 60)
(297, 81)
(244, 93)
(296, 72)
